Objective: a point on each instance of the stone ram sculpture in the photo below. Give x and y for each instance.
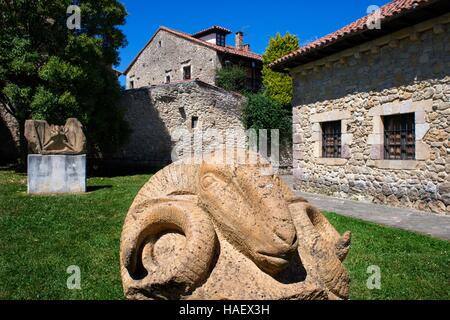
(228, 232)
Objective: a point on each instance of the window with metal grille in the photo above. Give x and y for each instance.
(220, 40)
(331, 139)
(399, 137)
(187, 73)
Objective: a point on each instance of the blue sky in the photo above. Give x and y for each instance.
(259, 20)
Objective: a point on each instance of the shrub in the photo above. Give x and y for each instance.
(232, 78)
(262, 112)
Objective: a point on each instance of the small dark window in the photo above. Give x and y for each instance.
(399, 137)
(220, 40)
(194, 122)
(131, 84)
(160, 43)
(167, 79)
(182, 112)
(331, 139)
(187, 73)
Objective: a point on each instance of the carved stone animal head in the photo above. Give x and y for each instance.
(250, 211)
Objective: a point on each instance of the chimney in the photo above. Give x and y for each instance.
(246, 47)
(239, 40)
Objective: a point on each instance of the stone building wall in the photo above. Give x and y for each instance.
(166, 55)
(405, 72)
(9, 137)
(154, 112)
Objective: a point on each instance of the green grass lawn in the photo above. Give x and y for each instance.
(40, 236)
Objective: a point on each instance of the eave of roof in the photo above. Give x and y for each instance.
(213, 29)
(117, 71)
(226, 50)
(396, 15)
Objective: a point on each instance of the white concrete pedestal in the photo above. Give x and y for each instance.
(56, 174)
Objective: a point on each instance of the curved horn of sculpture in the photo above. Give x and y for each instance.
(341, 244)
(172, 278)
(319, 241)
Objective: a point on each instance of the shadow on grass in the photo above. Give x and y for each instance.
(98, 169)
(97, 188)
(103, 169)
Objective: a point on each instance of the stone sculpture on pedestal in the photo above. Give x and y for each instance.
(57, 159)
(217, 230)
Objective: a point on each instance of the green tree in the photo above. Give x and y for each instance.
(48, 71)
(232, 78)
(262, 112)
(278, 85)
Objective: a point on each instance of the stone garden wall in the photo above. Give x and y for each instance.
(154, 112)
(9, 137)
(406, 72)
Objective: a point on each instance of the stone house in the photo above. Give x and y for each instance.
(371, 108)
(174, 56)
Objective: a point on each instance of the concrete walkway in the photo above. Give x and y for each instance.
(437, 226)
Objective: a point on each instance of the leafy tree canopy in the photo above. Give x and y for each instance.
(278, 85)
(50, 72)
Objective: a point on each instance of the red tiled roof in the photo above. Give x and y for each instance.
(226, 50)
(229, 50)
(211, 30)
(391, 10)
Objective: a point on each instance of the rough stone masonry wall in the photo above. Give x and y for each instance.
(167, 54)
(9, 137)
(405, 72)
(154, 112)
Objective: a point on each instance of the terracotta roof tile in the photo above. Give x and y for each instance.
(388, 11)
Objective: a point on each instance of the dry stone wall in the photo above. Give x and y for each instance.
(155, 112)
(9, 137)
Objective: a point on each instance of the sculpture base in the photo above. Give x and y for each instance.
(56, 174)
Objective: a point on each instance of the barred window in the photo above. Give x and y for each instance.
(399, 137)
(331, 139)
